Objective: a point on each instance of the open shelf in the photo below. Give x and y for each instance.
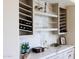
(25, 20)
(25, 25)
(25, 17)
(62, 25)
(63, 17)
(62, 33)
(63, 22)
(25, 4)
(25, 30)
(25, 10)
(47, 29)
(62, 13)
(52, 22)
(25, 14)
(63, 28)
(45, 14)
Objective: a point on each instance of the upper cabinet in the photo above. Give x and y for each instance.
(47, 17)
(25, 17)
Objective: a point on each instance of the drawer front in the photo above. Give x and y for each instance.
(52, 57)
(70, 54)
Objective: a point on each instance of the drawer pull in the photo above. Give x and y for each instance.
(70, 51)
(69, 56)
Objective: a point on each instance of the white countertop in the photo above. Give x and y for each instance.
(51, 51)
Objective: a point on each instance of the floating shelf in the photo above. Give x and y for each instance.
(25, 4)
(47, 29)
(45, 14)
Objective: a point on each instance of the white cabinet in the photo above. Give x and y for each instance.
(61, 56)
(68, 54)
(52, 57)
(62, 52)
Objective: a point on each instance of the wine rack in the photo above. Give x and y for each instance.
(63, 27)
(25, 17)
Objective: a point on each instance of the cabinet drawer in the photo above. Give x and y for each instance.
(70, 54)
(52, 57)
(70, 50)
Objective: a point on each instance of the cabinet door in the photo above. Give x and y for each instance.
(61, 56)
(70, 54)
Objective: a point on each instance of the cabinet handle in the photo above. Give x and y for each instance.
(69, 56)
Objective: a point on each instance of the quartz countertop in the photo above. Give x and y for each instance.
(51, 51)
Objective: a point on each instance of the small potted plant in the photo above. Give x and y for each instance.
(24, 49)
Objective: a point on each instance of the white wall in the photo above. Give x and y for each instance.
(71, 24)
(38, 38)
(11, 29)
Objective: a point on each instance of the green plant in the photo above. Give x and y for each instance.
(24, 48)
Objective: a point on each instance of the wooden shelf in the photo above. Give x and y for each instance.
(25, 14)
(25, 10)
(25, 4)
(52, 22)
(25, 17)
(62, 25)
(62, 16)
(45, 14)
(63, 28)
(25, 20)
(62, 22)
(62, 13)
(62, 33)
(47, 29)
(25, 30)
(25, 25)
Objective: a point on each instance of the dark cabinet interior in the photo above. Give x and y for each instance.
(25, 17)
(63, 16)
